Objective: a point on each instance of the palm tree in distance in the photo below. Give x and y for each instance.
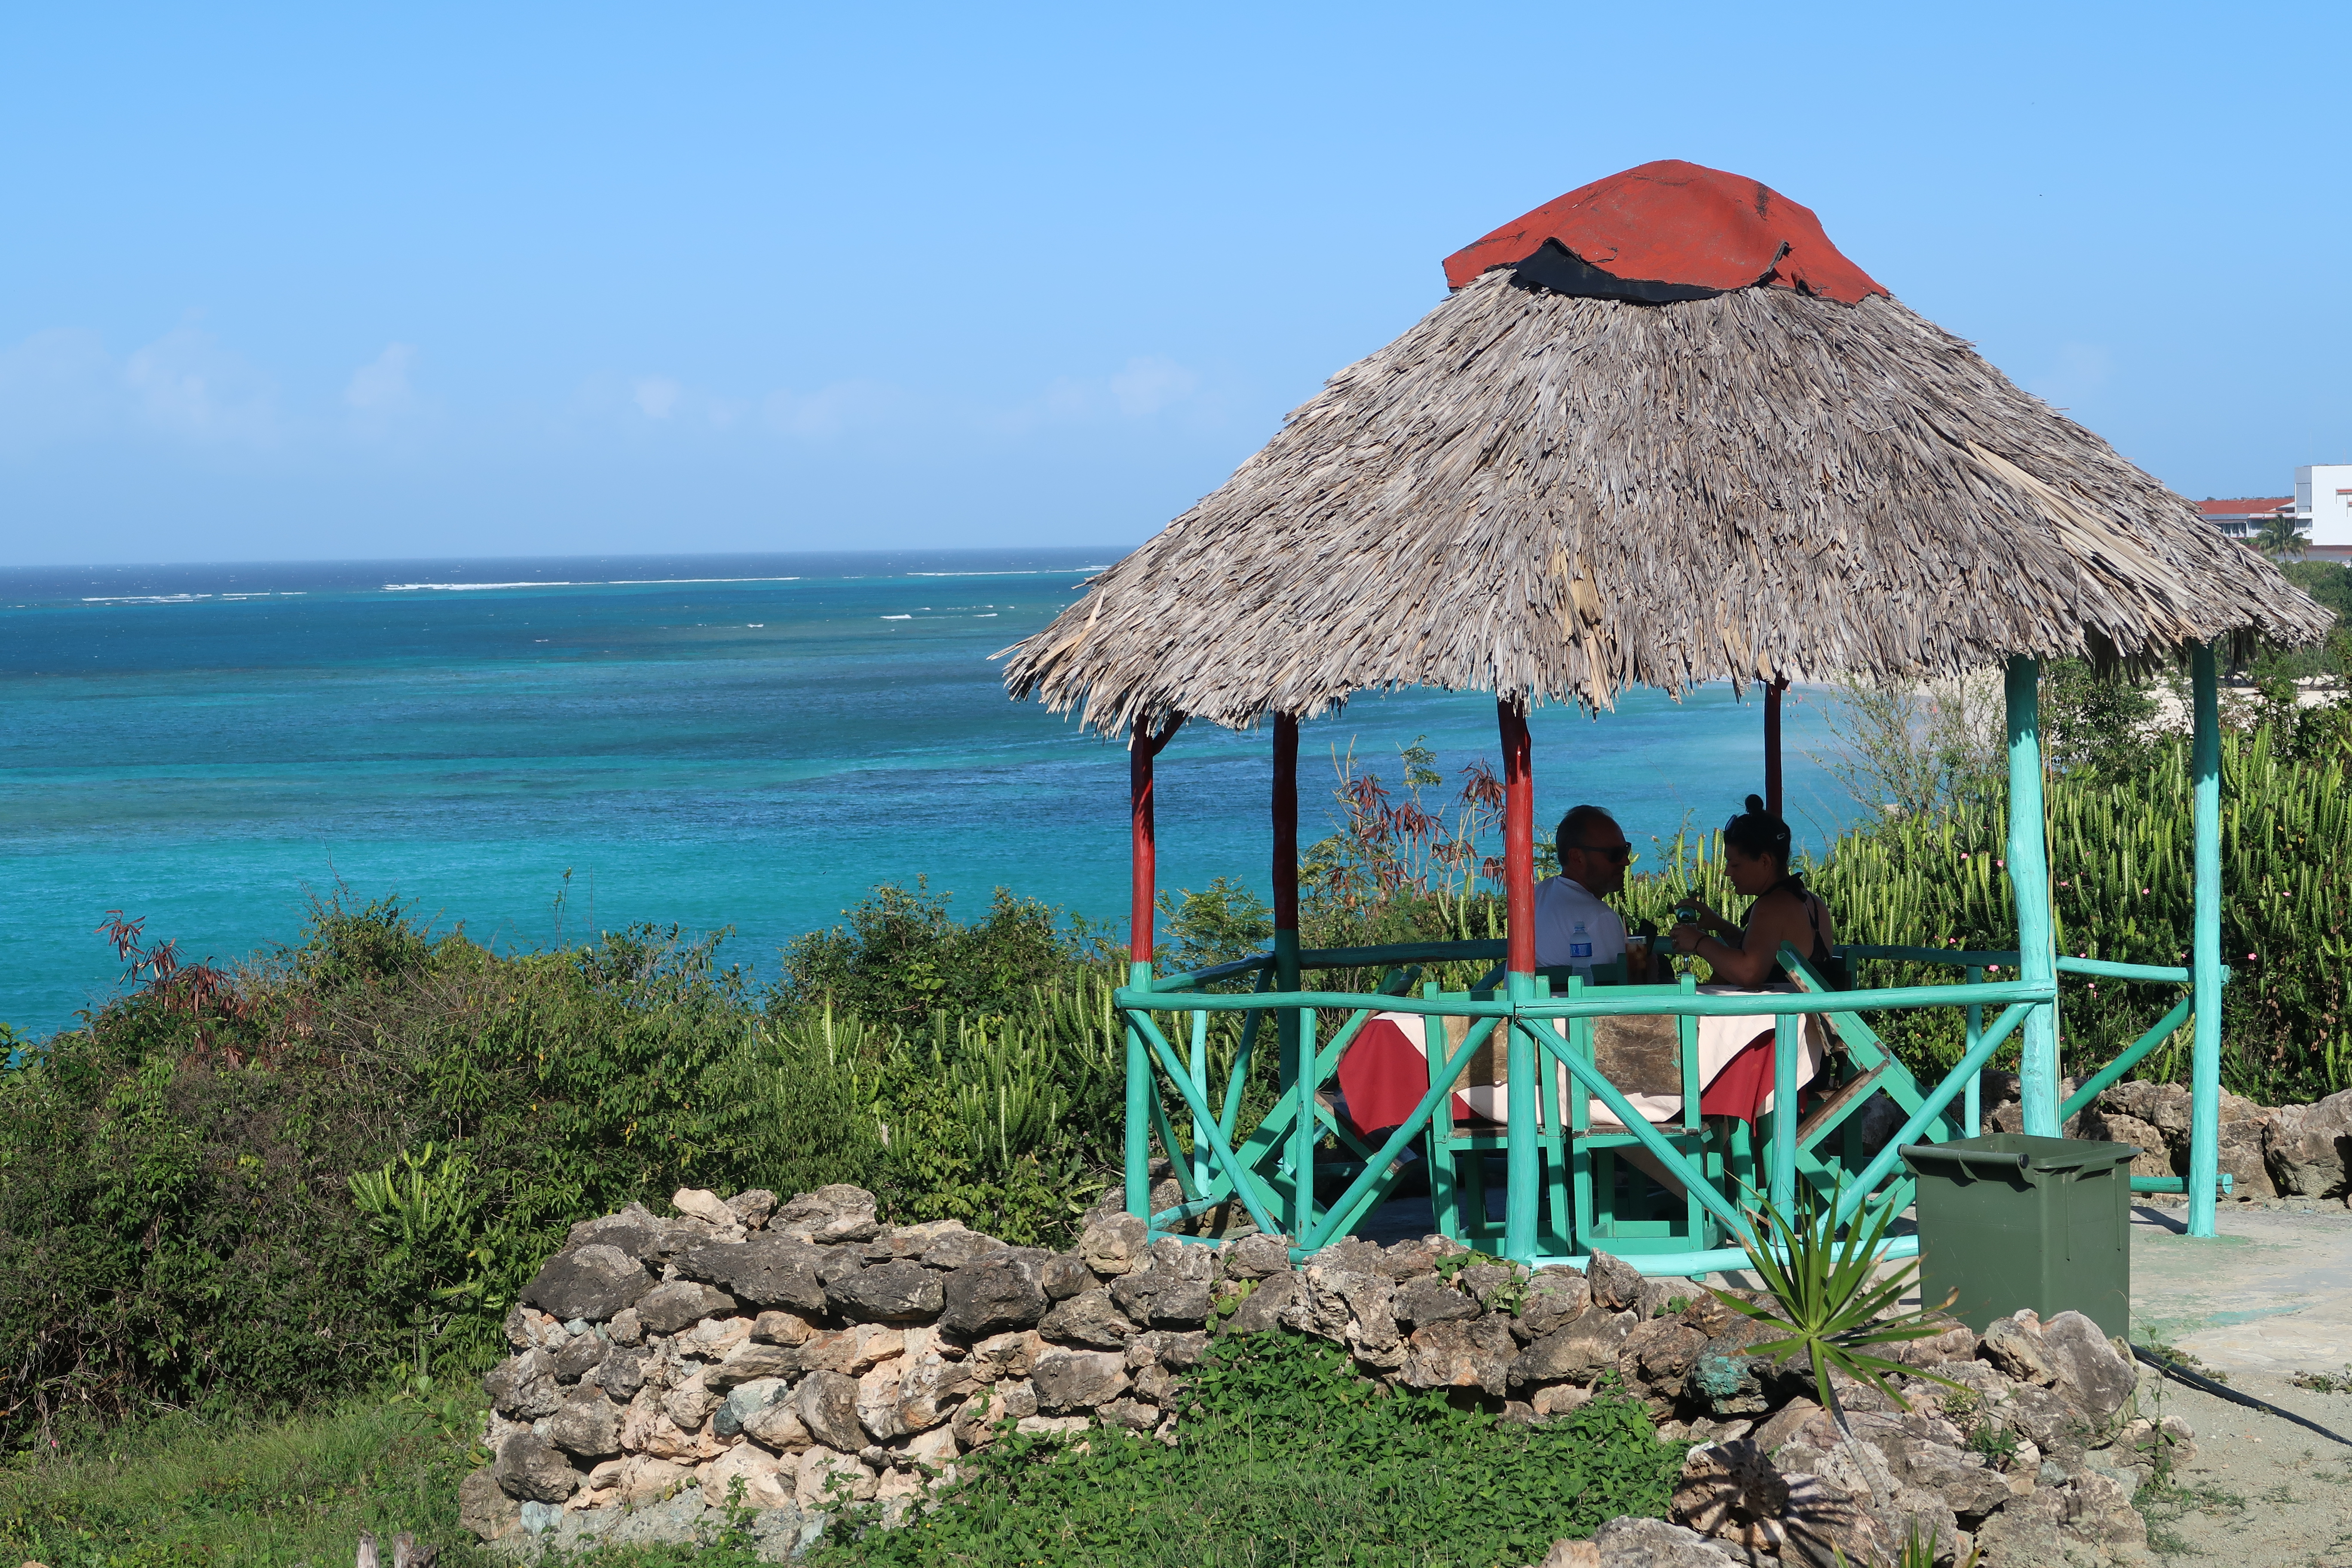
(2280, 538)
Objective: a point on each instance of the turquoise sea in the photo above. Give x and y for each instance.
(747, 741)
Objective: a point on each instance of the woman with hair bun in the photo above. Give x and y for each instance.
(1756, 856)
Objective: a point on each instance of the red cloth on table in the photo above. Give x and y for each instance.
(1384, 1077)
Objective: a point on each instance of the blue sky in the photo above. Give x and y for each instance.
(337, 281)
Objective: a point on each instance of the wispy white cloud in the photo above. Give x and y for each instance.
(188, 385)
(835, 410)
(656, 396)
(381, 386)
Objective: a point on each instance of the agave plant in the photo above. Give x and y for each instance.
(1828, 1294)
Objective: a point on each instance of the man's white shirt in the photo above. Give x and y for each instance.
(1559, 905)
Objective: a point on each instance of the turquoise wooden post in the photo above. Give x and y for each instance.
(2029, 879)
(1305, 1131)
(1200, 1065)
(1972, 1111)
(1787, 1037)
(2205, 948)
(1523, 1158)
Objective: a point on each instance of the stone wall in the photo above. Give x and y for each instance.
(800, 1349)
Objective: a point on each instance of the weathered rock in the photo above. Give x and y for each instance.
(1406, 1261)
(1370, 1299)
(833, 1213)
(1001, 1356)
(1726, 1488)
(1615, 1283)
(1161, 1298)
(774, 1328)
(484, 1509)
(1556, 1297)
(593, 1283)
(976, 1423)
(622, 1373)
(1630, 1543)
(752, 1207)
(767, 1270)
(700, 1203)
(2044, 1416)
(578, 1356)
(529, 1469)
(826, 1403)
(2309, 1146)
(1961, 1478)
(1078, 1380)
(2098, 1508)
(2090, 1371)
(523, 1388)
(929, 1393)
(877, 1403)
(824, 1477)
(1063, 1277)
(1135, 1414)
(1461, 1353)
(637, 1231)
(1580, 1351)
(993, 1295)
(851, 1350)
(2025, 1535)
(689, 1402)
(1264, 1306)
(947, 1243)
(2241, 1151)
(681, 1303)
(1088, 1320)
(900, 1292)
(745, 1400)
(778, 1426)
(2155, 1158)
(752, 1360)
(1829, 1527)
(1482, 1282)
(588, 1427)
(2015, 1345)
(1112, 1244)
(626, 1328)
(1658, 1354)
(1256, 1256)
(1429, 1300)
(766, 1480)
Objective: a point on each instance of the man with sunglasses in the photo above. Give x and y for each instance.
(1592, 857)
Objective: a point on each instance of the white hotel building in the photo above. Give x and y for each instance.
(2321, 505)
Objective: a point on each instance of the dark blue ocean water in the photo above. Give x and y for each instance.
(748, 741)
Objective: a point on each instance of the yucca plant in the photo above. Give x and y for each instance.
(1827, 1293)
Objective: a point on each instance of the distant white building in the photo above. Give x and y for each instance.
(2323, 504)
(2321, 507)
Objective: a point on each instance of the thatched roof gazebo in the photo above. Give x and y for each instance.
(1660, 432)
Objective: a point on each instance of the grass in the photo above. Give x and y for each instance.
(184, 1489)
(1294, 1462)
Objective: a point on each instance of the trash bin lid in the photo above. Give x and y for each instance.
(2020, 1152)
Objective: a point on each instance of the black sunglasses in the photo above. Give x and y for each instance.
(1614, 851)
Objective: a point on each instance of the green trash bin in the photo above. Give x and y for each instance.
(2013, 1221)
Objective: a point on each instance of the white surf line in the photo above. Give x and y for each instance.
(143, 598)
(475, 587)
(645, 581)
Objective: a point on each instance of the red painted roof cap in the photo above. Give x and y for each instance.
(1678, 222)
(2245, 506)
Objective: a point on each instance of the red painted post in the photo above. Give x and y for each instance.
(1143, 874)
(1143, 880)
(1518, 836)
(1772, 746)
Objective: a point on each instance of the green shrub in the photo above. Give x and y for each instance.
(1283, 1455)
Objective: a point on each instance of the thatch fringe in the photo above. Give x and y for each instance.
(1562, 498)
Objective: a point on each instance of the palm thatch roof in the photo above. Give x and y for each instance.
(1561, 496)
